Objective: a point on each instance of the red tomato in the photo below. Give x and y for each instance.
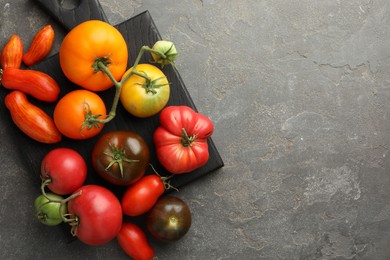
(30, 119)
(12, 53)
(133, 241)
(73, 112)
(40, 46)
(181, 139)
(97, 215)
(35, 83)
(141, 196)
(64, 170)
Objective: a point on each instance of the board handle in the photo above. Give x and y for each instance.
(80, 11)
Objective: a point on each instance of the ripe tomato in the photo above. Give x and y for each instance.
(30, 119)
(64, 170)
(144, 98)
(49, 213)
(84, 46)
(141, 196)
(74, 111)
(120, 157)
(169, 219)
(133, 241)
(97, 215)
(181, 139)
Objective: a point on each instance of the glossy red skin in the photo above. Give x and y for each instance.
(40, 46)
(31, 120)
(141, 196)
(12, 52)
(32, 82)
(171, 153)
(99, 213)
(135, 149)
(133, 241)
(66, 169)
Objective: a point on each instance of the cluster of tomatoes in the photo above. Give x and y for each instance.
(121, 157)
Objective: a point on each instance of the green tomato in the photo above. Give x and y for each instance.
(49, 212)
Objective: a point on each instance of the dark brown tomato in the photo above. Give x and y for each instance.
(120, 157)
(169, 219)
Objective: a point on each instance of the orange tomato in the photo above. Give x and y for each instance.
(73, 110)
(87, 43)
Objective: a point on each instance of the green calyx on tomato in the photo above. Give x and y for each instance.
(150, 86)
(187, 140)
(106, 61)
(118, 156)
(164, 52)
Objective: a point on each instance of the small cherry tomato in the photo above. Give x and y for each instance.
(63, 170)
(141, 196)
(145, 97)
(133, 241)
(30, 119)
(169, 219)
(87, 44)
(75, 114)
(97, 215)
(47, 212)
(120, 157)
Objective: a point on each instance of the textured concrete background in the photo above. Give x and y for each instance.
(299, 91)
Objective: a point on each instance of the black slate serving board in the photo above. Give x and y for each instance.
(138, 31)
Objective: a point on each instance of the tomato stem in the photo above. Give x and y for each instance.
(102, 63)
(186, 140)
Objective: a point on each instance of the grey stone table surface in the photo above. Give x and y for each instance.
(299, 92)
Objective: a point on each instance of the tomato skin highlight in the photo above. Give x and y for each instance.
(181, 139)
(40, 46)
(65, 168)
(133, 241)
(141, 196)
(30, 119)
(84, 44)
(99, 215)
(116, 148)
(12, 53)
(32, 82)
(170, 219)
(142, 99)
(71, 110)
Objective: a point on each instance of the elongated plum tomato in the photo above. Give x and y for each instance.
(30, 119)
(141, 196)
(64, 170)
(97, 215)
(145, 98)
(87, 44)
(74, 111)
(133, 241)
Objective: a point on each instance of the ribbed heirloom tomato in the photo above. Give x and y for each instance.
(87, 44)
(75, 113)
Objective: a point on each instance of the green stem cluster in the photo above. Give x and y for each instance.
(118, 84)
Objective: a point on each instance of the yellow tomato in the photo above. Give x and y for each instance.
(145, 97)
